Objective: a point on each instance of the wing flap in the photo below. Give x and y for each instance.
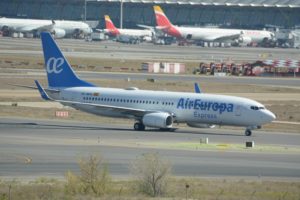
(123, 110)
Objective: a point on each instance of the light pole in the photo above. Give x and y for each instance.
(84, 10)
(121, 14)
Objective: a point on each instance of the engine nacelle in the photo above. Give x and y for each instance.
(199, 125)
(158, 120)
(58, 33)
(245, 40)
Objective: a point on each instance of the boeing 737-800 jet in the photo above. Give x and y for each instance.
(159, 109)
(59, 28)
(209, 34)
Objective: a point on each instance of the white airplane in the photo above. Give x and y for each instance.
(158, 109)
(209, 34)
(110, 29)
(59, 28)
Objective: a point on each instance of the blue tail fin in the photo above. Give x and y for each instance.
(59, 71)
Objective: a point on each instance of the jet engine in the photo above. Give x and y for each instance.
(78, 33)
(5, 30)
(58, 33)
(158, 120)
(199, 125)
(244, 40)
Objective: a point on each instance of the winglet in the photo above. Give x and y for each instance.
(197, 88)
(43, 93)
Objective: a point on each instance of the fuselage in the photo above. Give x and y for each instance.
(28, 25)
(215, 34)
(129, 32)
(185, 107)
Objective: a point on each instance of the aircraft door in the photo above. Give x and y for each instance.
(238, 110)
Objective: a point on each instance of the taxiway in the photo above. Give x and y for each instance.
(34, 148)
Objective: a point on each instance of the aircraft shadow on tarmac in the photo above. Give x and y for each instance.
(82, 127)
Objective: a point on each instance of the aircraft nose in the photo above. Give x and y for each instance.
(270, 116)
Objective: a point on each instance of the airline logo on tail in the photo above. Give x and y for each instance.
(110, 27)
(59, 72)
(164, 24)
(161, 18)
(54, 65)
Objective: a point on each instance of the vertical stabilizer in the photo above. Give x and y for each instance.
(164, 24)
(161, 18)
(110, 27)
(59, 72)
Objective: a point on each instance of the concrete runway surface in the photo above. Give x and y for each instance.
(144, 51)
(34, 148)
(270, 81)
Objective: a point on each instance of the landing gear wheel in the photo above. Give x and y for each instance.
(139, 126)
(248, 132)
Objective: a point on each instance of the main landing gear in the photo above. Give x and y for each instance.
(138, 126)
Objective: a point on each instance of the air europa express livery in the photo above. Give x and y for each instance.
(159, 109)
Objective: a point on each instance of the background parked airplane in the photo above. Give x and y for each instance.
(159, 109)
(59, 28)
(134, 34)
(209, 34)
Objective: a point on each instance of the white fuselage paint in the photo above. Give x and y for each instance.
(132, 32)
(240, 114)
(212, 34)
(29, 25)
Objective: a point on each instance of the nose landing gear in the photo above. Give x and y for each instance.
(248, 132)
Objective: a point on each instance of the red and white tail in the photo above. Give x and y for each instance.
(164, 24)
(110, 27)
(161, 18)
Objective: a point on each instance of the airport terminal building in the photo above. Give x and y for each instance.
(254, 14)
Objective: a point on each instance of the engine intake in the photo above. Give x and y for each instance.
(158, 120)
(58, 33)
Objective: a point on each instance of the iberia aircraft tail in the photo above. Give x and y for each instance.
(164, 24)
(161, 18)
(110, 27)
(59, 71)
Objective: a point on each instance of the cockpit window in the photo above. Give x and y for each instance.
(257, 108)
(254, 107)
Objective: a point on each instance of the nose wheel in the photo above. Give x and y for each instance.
(248, 132)
(138, 126)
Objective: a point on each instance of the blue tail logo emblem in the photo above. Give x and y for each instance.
(59, 72)
(54, 65)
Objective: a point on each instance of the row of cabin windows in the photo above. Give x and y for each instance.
(125, 100)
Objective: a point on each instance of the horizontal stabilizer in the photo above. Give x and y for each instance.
(42, 91)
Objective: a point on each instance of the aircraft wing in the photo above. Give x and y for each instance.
(146, 27)
(124, 110)
(220, 38)
(29, 28)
